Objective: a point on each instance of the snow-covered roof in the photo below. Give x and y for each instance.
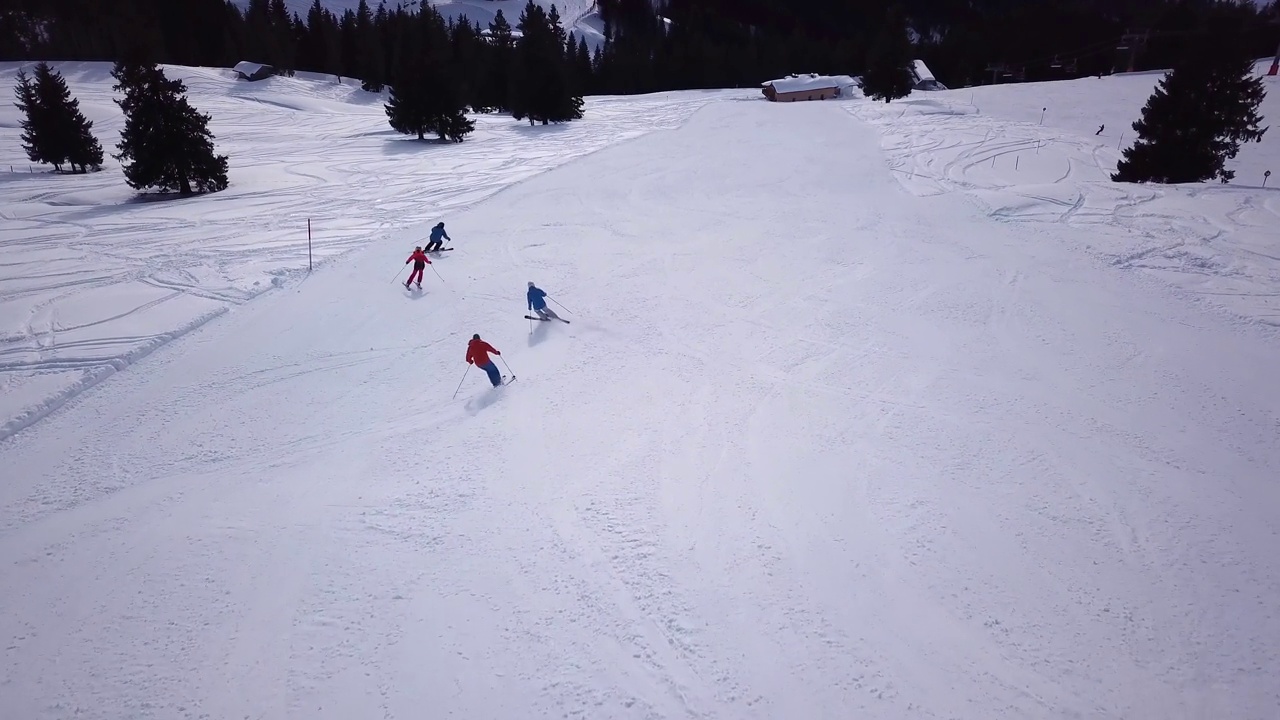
(800, 83)
(248, 68)
(923, 73)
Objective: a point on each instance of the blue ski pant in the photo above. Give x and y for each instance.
(495, 377)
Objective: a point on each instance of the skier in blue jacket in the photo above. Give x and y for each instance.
(538, 303)
(436, 243)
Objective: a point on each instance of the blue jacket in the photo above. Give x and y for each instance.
(535, 296)
(438, 232)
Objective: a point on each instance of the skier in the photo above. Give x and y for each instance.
(478, 355)
(436, 243)
(420, 262)
(537, 303)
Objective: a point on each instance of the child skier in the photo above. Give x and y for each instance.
(478, 355)
(538, 303)
(436, 243)
(420, 262)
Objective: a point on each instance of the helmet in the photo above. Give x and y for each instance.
(476, 336)
(419, 247)
(530, 283)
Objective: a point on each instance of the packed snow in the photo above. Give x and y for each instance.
(846, 423)
(96, 278)
(1216, 243)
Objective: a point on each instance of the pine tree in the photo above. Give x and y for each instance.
(166, 143)
(317, 46)
(34, 143)
(582, 60)
(407, 108)
(1198, 115)
(425, 94)
(74, 132)
(496, 89)
(54, 130)
(370, 68)
(888, 76)
(541, 88)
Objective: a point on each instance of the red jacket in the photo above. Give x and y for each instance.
(478, 352)
(419, 256)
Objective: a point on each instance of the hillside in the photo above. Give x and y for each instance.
(846, 422)
(97, 279)
(1216, 243)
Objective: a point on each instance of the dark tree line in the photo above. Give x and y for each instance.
(651, 44)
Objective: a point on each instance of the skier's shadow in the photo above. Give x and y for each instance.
(539, 332)
(482, 401)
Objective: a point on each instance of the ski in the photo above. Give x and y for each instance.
(530, 317)
(440, 250)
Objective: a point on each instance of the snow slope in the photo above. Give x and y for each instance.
(813, 446)
(95, 280)
(1217, 243)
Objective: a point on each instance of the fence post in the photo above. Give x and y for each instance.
(308, 244)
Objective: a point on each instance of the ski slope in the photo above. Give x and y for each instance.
(95, 280)
(1032, 154)
(821, 440)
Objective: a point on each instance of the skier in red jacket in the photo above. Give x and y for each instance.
(420, 262)
(478, 355)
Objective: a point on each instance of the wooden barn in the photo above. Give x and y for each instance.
(246, 70)
(810, 86)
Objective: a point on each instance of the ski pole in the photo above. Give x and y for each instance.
(561, 306)
(508, 367)
(397, 277)
(437, 272)
(464, 378)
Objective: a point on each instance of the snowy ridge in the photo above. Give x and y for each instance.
(96, 279)
(1216, 242)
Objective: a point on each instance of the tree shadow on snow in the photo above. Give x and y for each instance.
(540, 129)
(133, 202)
(404, 146)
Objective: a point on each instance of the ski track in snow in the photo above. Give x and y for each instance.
(896, 464)
(1218, 243)
(93, 280)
